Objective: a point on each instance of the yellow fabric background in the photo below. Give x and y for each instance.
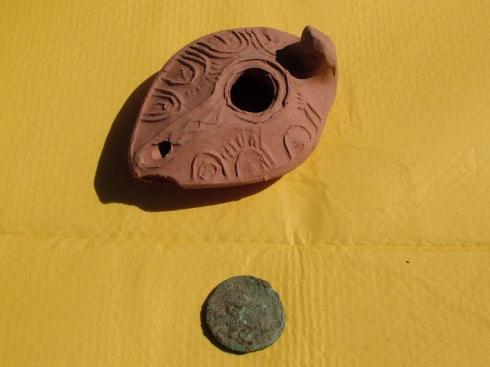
(378, 244)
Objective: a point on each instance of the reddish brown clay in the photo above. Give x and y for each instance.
(235, 107)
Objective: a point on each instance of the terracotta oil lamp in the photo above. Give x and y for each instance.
(235, 107)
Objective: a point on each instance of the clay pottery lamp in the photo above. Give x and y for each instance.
(235, 107)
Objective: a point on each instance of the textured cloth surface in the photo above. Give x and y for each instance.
(379, 244)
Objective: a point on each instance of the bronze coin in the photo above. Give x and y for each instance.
(244, 314)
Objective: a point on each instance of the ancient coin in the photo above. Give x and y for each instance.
(244, 314)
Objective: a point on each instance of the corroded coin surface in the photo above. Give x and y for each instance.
(244, 314)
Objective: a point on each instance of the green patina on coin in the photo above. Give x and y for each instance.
(244, 314)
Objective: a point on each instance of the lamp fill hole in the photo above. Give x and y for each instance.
(254, 90)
